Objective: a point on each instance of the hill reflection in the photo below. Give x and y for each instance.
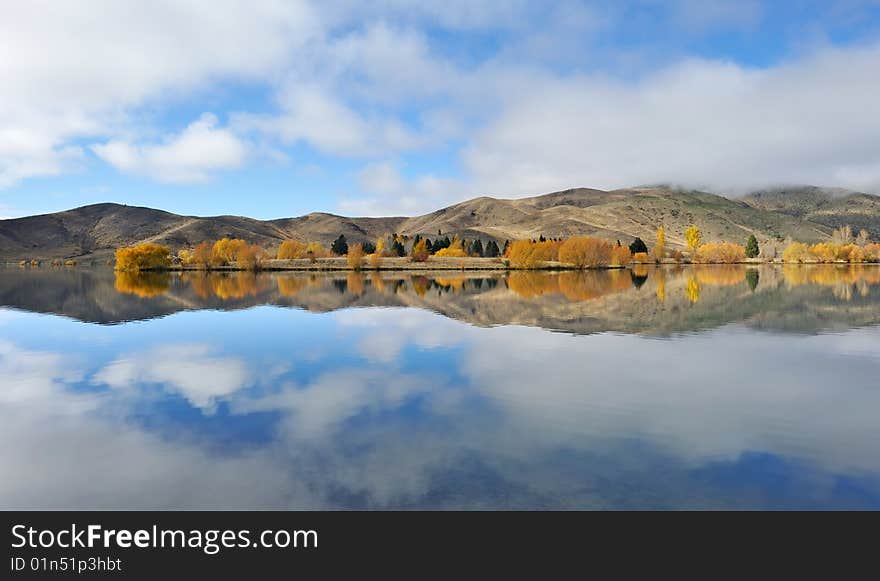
(646, 300)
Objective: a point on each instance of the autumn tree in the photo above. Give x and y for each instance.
(660, 245)
(147, 256)
(201, 255)
(339, 246)
(184, 256)
(752, 249)
(796, 252)
(621, 256)
(316, 250)
(720, 252)
(531, 254)
(454, 250)
(249, 257)
(355, 256)
(226, 250)
(420, 251)
(693, 237)
(291, 249)
(584, 252)
(842, 235)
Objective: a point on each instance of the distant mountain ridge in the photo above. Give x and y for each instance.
(805, 213)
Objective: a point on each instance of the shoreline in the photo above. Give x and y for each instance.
(404, 264)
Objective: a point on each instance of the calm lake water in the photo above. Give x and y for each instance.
(694, 387)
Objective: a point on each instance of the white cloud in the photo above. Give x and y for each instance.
(311, 114)
(370, 81)
(385, 192)
(193, 371)
(190, 156)
(698, 123)
(72, 71)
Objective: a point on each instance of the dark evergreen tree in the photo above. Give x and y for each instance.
(397, 248)
(542, 239)
(477, 248)
(638, 245)
(752, 249)
(506, 247)
(339, 246)
(752, 277)
(491, 249)
(428, 245)
(369, 247)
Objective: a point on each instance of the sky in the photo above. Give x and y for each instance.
(274, 108)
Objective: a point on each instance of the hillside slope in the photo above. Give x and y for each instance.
(805, 213)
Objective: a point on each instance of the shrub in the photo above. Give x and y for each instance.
(824, 252)
(586, 252)
(250, 257)
(201, 255)
(720, 253)
(528, 254)
(291, 250)
(185, 256)
(315, 250)
(621, 256)
(849, 252)
(871, 252)
(226, 251)
(796, 252)
(146, 256)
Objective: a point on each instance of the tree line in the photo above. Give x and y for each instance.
(577, 251)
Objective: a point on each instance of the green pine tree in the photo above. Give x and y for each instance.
(752, 249)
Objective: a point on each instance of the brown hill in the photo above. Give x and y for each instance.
(805, 213)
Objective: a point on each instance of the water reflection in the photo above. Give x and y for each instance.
(446, 390)
(643, 300)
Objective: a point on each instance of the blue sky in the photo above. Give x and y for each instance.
(278, 108)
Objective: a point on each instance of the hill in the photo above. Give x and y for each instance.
(804, 213)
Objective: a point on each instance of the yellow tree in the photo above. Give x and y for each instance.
(291, 249)
(692, 290)
(660, 246)
(693, 237)
(376, 257)
(420, 251)
(355, 256)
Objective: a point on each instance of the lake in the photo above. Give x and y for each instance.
(672, 387)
